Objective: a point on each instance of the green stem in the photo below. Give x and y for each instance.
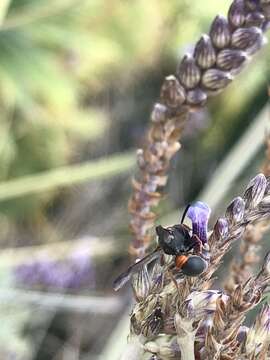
(66, 176)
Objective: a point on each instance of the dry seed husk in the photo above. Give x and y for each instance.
(236, 14)
(220, 32)
(215, 79)
(172, 93)
(229, 59)
(204, 53)
(245, 38)
(189, 73)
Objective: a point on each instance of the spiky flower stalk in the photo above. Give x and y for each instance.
(217, 57)
(258, 337)
(223, 337)
(243, 266)
(178, 306)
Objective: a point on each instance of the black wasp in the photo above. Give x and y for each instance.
(189, 246)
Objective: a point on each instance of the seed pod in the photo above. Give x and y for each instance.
(188, 72)
(172, 93)
(159, 113)
(245, 38)
(255, 191)
(220, 32)
(235, 211)
(255, 19)
(215, 79)
(229, 59)
(236, 13)
(204, 53)
(196, 97)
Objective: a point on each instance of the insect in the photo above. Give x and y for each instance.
(189, 246)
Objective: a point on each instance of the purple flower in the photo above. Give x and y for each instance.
(199, 214)
(75, 272)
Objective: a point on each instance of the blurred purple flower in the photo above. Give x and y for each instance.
(74, 272)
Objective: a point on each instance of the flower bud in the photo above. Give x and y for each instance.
(215, 79)
(255, 19)
(255, 191)
(172, 93)
(188, 72)
(196, 97)
(159, 113)
(221, 228)
(235, 211)
(204, 53)
(220, 32)
(229, 59)
(252, 4)
(245, 38)
(202, 303)
(236, 13)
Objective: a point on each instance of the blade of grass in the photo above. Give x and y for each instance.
(97, 249)
(74, 303)
(67, 176)
(4, 5)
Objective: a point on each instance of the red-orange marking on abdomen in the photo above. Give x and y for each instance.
(180, 261)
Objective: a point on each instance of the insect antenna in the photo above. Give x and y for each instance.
(185, 213)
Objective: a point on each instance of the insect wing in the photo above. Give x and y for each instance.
(125, 276)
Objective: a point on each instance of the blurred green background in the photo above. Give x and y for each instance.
(77, 82)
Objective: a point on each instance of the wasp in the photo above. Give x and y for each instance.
(188, 246)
